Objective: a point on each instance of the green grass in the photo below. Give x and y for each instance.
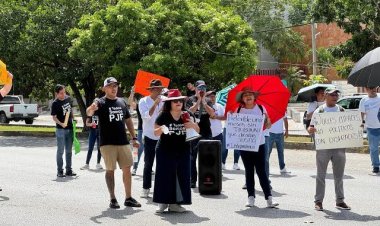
(298, 139)
(10, 128)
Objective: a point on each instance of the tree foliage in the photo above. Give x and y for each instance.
(361, 18)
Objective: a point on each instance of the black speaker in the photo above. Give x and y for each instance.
(209, 167)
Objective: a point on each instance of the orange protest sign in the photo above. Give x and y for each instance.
(143, 79)
(4, 78)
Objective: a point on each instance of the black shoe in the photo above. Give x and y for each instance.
(375, 170)
(193, 184)
(131, 202)
(70, 173)
(60, 174)
(114, 204)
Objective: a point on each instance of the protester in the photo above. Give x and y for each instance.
(319, 100)
(172, 181)
(323, 157)
(92, 124)
(113, 117)
(61, 110)
(190, 89)
(216, 123)
(369, 108)
(5, 90)
(201, 107)
(254, 160)
(133, 103)
(149, 107)
(276, 135)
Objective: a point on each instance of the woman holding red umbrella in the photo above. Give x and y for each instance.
(172, 181)
(254, 160)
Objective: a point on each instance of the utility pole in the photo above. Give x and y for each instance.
(314, 46)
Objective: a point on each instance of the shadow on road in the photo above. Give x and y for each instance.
(115, 214)
(274, 193)
(349, 215)
(20, 141)
(330, 176)
(283, 175)
(3, 198)
(187, 217)
(233, 172)
(271, 213)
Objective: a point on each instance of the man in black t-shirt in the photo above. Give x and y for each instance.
(113, 116)
(63, 116)
(202, 109)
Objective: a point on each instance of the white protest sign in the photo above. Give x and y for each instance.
(338, 130)
(244, 131)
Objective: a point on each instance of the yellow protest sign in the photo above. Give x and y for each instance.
(4, 78)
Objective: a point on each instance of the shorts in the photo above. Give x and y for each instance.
(116, 153)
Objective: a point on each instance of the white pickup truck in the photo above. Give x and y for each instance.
(13, 108)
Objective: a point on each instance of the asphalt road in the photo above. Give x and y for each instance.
(33, 195)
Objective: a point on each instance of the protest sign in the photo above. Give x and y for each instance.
(4, 78)
(244, 131)
(143, 79)
(338, 130)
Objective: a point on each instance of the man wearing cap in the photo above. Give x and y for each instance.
(202, 109)
(61, 111)
(323, 157)
(149, 107)
(369, 108)
(113, 116)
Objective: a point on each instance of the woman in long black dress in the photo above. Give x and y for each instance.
(172, 181)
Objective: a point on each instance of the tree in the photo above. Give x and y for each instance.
(267, 18)
(361, 18)
(179, 39)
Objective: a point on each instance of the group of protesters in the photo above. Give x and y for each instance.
(162, 137)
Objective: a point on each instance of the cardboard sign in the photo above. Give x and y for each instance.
(338, 130)
(4, 78)
(244, 131)
(143, 79)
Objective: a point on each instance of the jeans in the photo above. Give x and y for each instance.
(225, 150)
(277, 138)
(338, 159)
(373, 140)
(141, 148)
(64, 144)
(255, 161)
(267, 154)
(92, 138)
(150, 153)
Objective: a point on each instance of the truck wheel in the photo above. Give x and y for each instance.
(3, 118)
(29, 121)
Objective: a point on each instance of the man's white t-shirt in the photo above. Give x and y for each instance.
(370, 106)
(145, 104)
(216, 124)
(278, 127)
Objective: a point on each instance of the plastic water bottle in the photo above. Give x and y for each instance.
(135, 154)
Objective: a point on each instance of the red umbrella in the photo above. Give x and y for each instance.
(273, 95)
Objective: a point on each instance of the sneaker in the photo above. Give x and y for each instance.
(342, 206)
(161, 208)
(375, 170)
(145, 193)
(114, 204)
(131, 202)
(60, 174)
(85, 167)
(70, 173)
(134, 172)
(244, 186)
(193, 184)
(176, 208)
(271, 203)
(236, 166)
(99, 166)
(318, 206)
(250, 202)
(223, 166)
(284, 170)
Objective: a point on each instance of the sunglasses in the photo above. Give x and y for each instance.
(176, 101)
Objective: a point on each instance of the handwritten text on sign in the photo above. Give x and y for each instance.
(244, 131)
(338, 130)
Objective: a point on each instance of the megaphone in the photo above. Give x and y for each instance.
(191, 134)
